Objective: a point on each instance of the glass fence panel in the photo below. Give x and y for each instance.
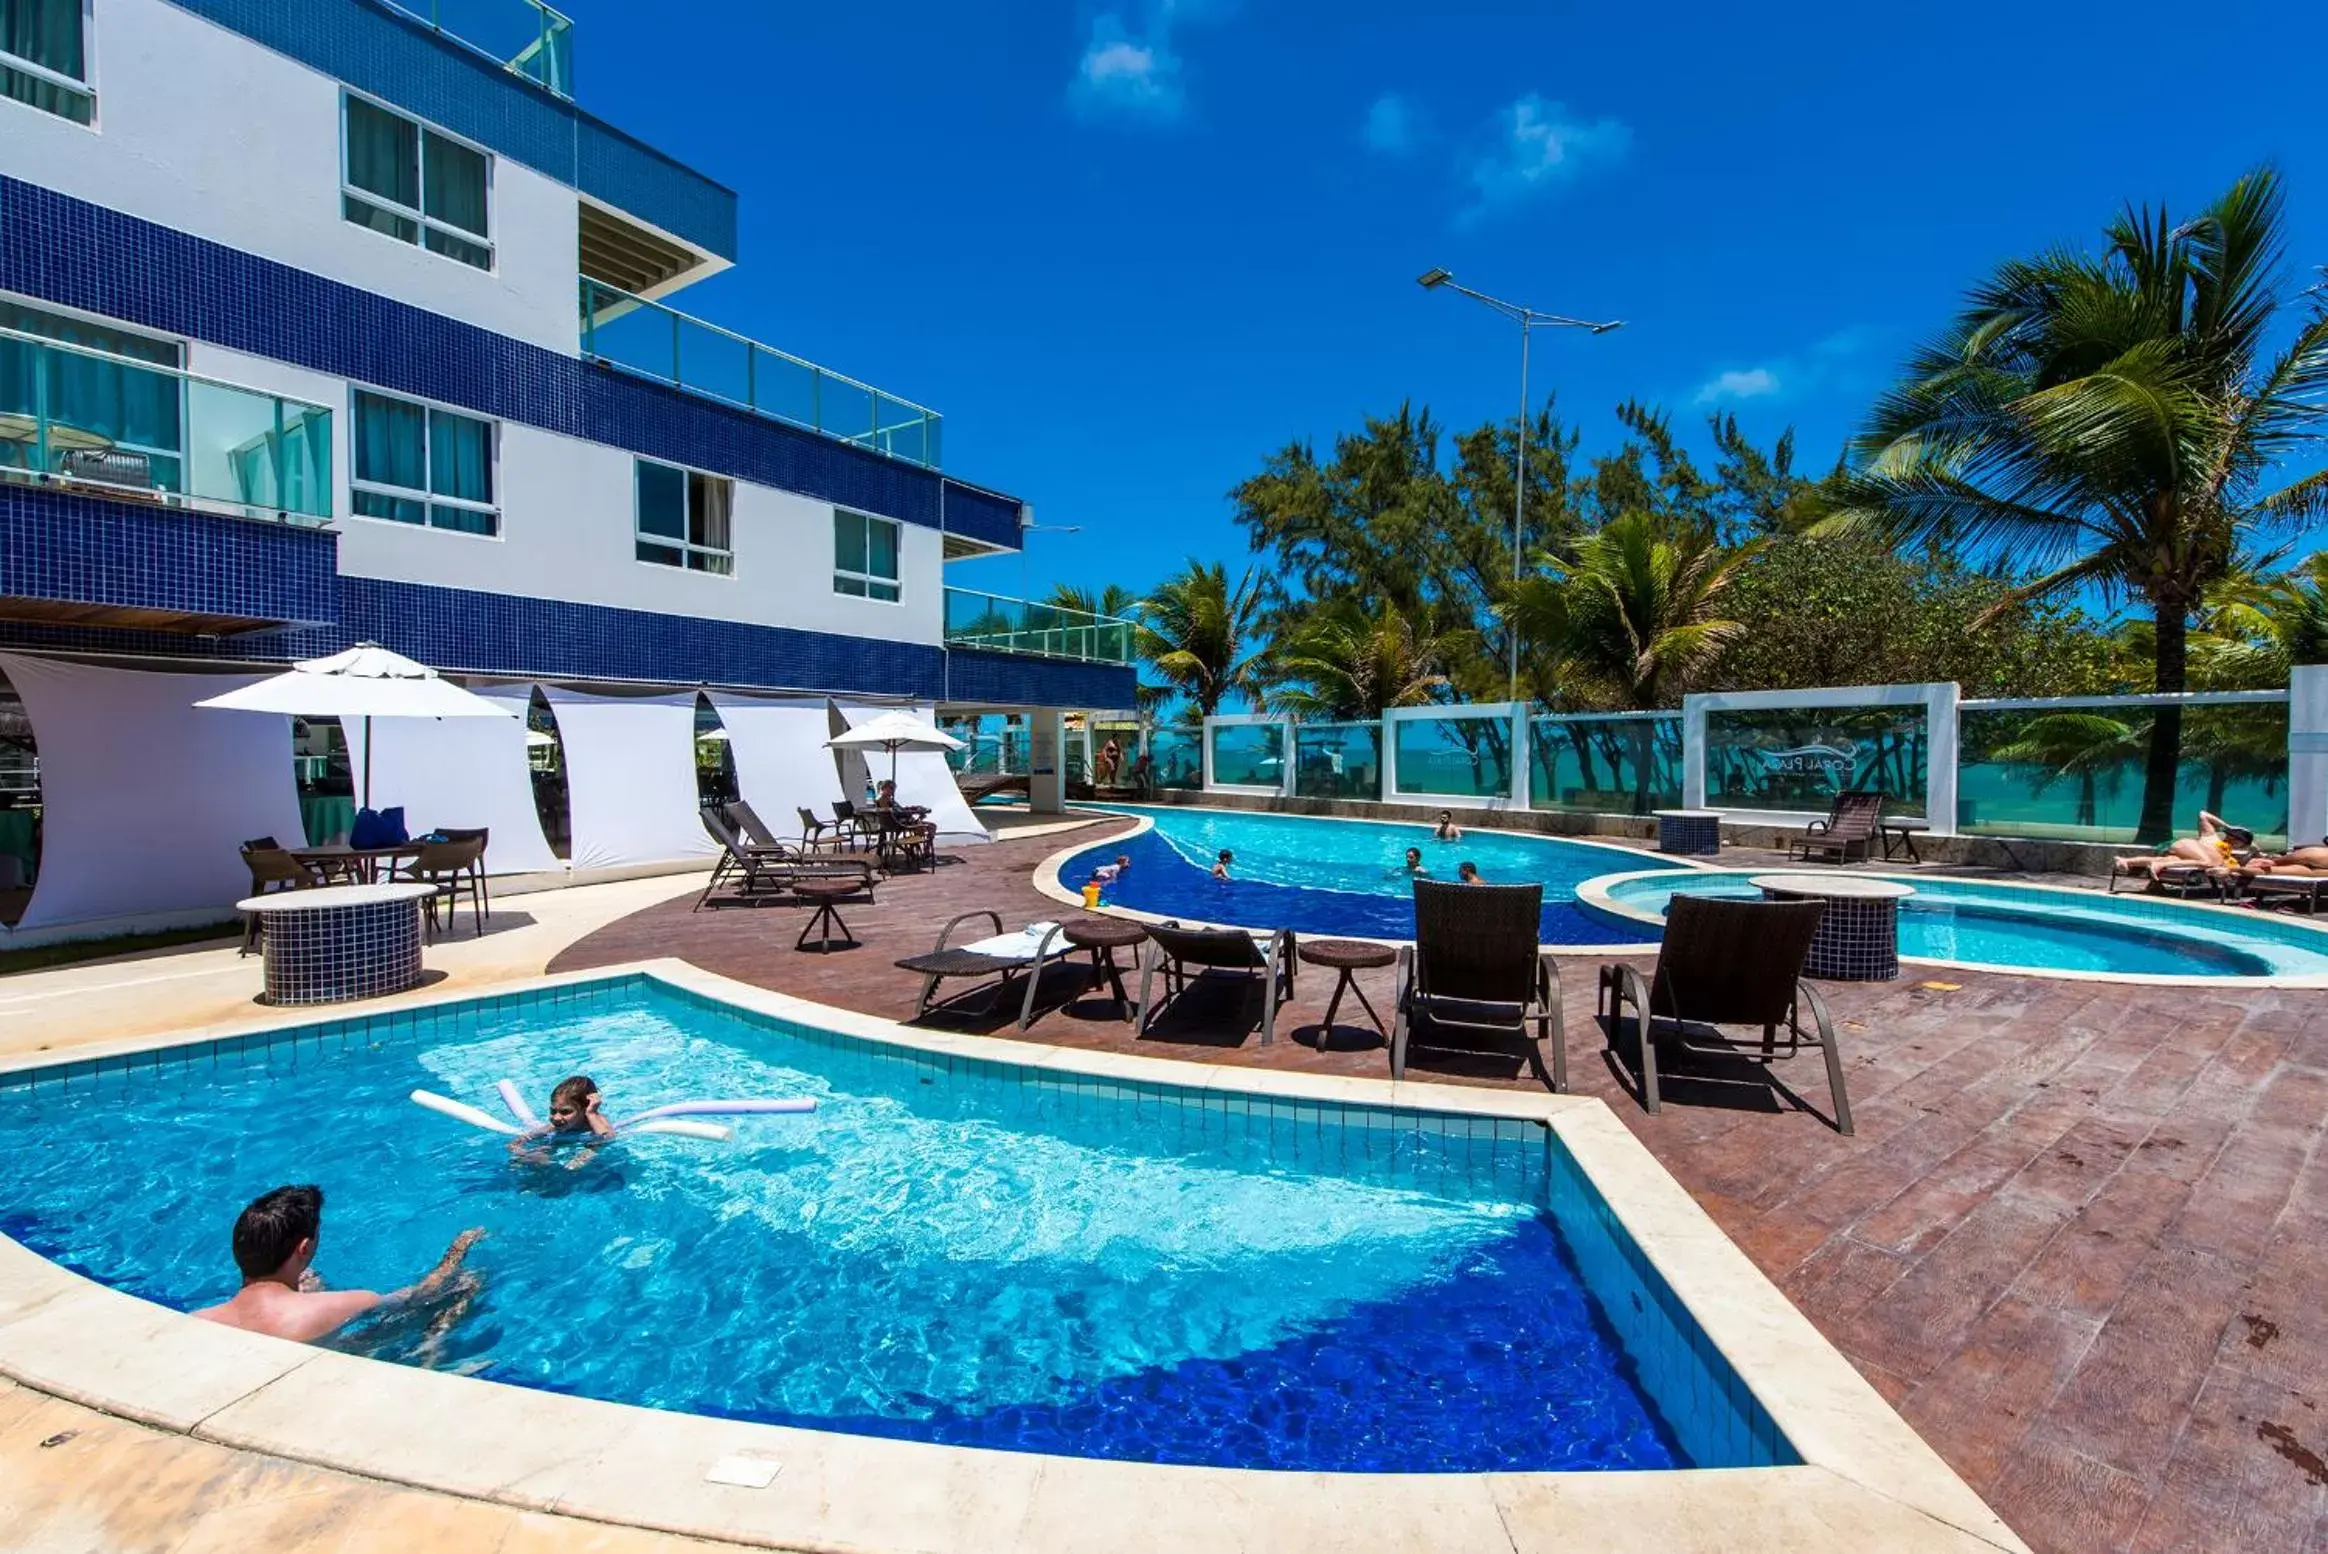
(1337, 760)
(711, 361)
(1799, 758)
(619, 328)
(2075, 773)
(1617, 766)
(1178, 758)
(1453, 757)
(845, 409)
(1248, 755)
(533, 40)
(999, 625)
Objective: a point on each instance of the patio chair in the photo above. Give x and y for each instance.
(1846, 831)
(756, 875)
(1001, 956)
(904, 841)
(1216, 954)
(450, 868)
(1726, 962)
(818, 835)
(273, 868)
(483, 836)
(1476, 966)
(859, 828)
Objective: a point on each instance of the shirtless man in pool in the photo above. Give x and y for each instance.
(274, 1243)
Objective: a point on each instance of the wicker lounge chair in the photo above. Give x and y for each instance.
(2298, 890)
(756, 875)
(1476, 966)
(1846, 832)
(1725, 963)
(1216, 953)
(1000, 956)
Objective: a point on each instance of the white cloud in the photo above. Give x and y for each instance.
(1394, 126)
(1537, 147)
(1746, 383)
(1129, 75)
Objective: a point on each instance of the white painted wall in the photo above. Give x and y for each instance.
(202, 130)
(568, 532)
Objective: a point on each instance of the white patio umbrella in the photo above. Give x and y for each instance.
(894, 731)
(367, 681)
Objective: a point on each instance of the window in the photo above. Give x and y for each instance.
(864, 556)
(413, 184)
(44, 57)
(112, 398)
(418, 464)
(683, 518)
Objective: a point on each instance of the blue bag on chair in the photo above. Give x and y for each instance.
(377, 828)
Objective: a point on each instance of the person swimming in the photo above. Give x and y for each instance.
(1221, 864)
(275, 1238)
(1413, 867)
(1467, 873)
(1446, 830)
(574, 1116)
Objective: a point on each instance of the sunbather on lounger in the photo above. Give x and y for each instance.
(2213, 849)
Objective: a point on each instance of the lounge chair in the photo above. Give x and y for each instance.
(2302, 890)
(1846, 831)
(1216, 953)
(1001, 956)
(1726, 962)
(756, 875)
(1476, 966)
(2173, 879)
(273, 868)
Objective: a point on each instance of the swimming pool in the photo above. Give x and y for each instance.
(2023, 927)
(1341, 876)
(950, 1250)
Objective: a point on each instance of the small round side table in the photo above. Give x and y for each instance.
(827, 896)
(1103, 936)
(1346, 956)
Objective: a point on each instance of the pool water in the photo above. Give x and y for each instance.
(952, 1252)
(1341, 876)
(1978, 923)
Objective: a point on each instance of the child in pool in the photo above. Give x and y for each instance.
(1221, 864)
(574, 1115)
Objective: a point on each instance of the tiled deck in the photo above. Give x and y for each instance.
(2076, 1239)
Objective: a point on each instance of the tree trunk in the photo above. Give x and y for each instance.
(2165, 758)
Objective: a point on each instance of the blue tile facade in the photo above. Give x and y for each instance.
(1036, 682)
(80, 255)
(92, 550)
(399, 60)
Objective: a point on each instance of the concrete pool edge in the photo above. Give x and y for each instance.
(1594, 895)
(1047, 876)
(1867, 1479)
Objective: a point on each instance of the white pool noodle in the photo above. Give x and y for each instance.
(516, 1104)
(461, 1111)
(684, 1130)
(726, 1108)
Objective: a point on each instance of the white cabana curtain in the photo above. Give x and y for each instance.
(630, 777)
(460, 772)
(147, 799)
(923, 778)
(782, 764)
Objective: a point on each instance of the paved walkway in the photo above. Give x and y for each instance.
(2076, 1240)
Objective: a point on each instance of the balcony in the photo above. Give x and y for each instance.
(994, 624)
(627, 331)
(104, 425)
(522, 36)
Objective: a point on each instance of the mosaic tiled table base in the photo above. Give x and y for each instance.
(1857, 941)
(1696, 836)
(329, 955)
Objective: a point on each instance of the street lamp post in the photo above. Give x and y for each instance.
(1530, 320)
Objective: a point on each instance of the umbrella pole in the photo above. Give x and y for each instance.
(367, 761)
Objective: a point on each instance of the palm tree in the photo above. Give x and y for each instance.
(1347, 664)
(1632, 618)
(1198, 631)
(2116, 421)
(2089, 747)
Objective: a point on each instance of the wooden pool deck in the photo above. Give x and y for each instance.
(2078, 1239)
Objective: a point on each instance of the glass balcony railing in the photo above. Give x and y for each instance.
(520, 35)
(999, 625)
(110, 426)
(660, 343)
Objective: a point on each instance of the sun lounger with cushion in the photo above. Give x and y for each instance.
(1000, 955)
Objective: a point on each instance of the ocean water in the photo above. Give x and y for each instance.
(1343, 876)
(974, 1259)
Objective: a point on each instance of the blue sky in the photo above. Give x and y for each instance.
(1129, 250)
